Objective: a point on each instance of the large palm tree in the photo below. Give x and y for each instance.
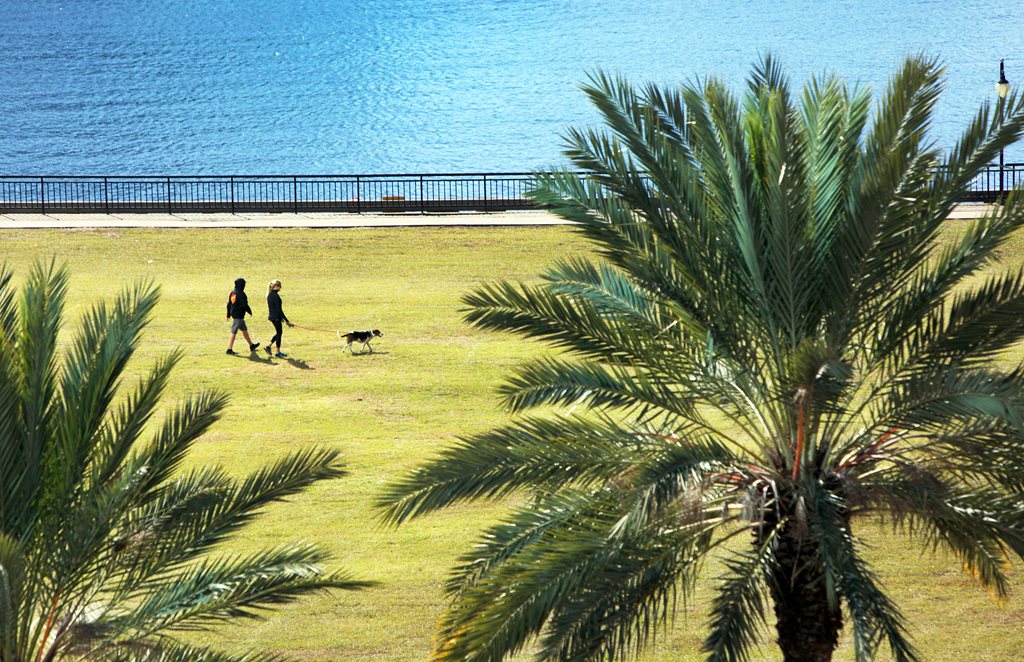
(781, 337)
(105, 541)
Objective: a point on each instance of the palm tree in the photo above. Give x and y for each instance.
(105, 541)
(779, 340)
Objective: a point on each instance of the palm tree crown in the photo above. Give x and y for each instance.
(776, 340)
(105, 543)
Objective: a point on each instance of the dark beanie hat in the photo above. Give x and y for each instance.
(240, 283)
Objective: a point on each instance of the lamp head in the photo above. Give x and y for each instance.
(1003, 86)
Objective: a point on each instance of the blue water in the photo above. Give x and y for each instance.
(347, 87)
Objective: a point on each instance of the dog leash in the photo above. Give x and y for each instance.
(309, 328)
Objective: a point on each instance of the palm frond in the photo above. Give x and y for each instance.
(738, 610)
(40, 312)
(172, 441)
(172, 651)
(12, 580)
(128, 421)
(535, 453)
(523, 527)
(611, 291)
(200, 510)
(571, 324)
(875, 618)
(980, 526)
(556, 577)
(233, 587)
(89, 378)
(549, 381)
(627, 601)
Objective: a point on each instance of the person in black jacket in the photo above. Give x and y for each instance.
(276, 315)
(238, 306)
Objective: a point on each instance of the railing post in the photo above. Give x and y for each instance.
(359, 197)
(106, 197)
(295, 194)
(421, 194)
(42, 197)
(485, 193)
(1000, 175)
(231, 183)
(168, 195)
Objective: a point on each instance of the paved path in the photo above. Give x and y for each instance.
(284, 220)
(311, 220)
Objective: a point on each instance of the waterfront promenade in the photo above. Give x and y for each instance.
(268, 220)
(316, 220)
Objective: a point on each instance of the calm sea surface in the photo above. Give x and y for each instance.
(347, 87)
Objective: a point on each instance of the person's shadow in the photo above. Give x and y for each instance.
(298, 363)
(256, 358)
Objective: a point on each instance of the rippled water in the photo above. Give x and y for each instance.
(228, 86)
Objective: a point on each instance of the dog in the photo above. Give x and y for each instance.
(358, 336)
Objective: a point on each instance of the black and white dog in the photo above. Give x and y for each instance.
(358, 336)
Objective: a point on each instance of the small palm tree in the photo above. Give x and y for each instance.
(105, 543)
(779, 340)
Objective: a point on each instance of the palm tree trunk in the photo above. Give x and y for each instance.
(808, 628)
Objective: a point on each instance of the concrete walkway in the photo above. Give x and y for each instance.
(284, 220)
(313, 220)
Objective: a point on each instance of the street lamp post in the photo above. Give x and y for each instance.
(1002, 89)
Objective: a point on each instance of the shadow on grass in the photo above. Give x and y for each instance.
(299, 363)
(375, 352)
(256, 358)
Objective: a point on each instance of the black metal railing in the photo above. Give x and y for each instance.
(994, 181)
(317, 193)
(265, 193)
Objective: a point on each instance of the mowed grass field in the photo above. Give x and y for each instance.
(431, 380)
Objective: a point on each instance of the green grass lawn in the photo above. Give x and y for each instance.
(431, 379)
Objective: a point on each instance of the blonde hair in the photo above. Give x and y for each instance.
(270, 287)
